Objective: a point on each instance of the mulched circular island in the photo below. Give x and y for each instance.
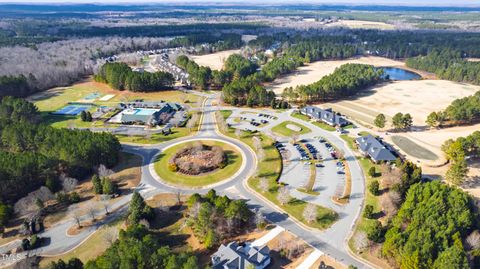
(197, 164)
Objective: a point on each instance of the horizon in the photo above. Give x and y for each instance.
(413, 3)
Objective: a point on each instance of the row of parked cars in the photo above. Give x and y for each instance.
(266, 116)
(332, 150)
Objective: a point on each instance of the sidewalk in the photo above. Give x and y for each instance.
(262, 241)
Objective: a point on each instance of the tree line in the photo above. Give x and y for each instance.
(121, 77)
(346, 80)
(448, 64)
(457, 151)
(223, 41)
(32, 153)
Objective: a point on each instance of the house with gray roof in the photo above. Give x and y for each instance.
(236, 256)
(326, 115)
(375, 149)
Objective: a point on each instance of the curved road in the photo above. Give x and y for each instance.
(331, 241)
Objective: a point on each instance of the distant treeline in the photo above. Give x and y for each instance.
(345, 81)
(218, 42)
(448, 64)
(32, 153)
(121, 77)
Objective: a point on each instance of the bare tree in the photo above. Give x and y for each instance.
(110, 234)
(178, 196)
(91, 211)
(103, 171)
(263, 184)
(294, 138)
(75, 215)
(259, 219)
(390, 202)
(105, 203)
(310, 213)
(238, 133)
(473, 240)
(284, 195)
(361, 241)
(69, 184)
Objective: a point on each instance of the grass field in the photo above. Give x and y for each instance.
(56, 98)
(413, 149)
(283, 130)
(179, 179)
(271, 168)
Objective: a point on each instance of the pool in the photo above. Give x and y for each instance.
(144, 111)
(395, 73)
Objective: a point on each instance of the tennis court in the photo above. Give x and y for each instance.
(92, 96)
(71, 110)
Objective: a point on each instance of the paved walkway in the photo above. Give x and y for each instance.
(262, 241)
(310, 260)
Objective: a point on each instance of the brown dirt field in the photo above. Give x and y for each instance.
(213, 60)
(316, 70)
(414, 97)
(357, 24)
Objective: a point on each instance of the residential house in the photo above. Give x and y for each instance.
(236, 256)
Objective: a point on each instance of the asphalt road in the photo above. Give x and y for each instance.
(331, 241)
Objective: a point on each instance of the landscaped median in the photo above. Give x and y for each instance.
(170, 171)
(269, 170)
(290, 128)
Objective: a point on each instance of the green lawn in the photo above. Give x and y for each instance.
(271, 168)
(179, 179)
(319, 124)
(282, 129)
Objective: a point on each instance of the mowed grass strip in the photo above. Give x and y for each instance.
(283, 130)
(271, 168)
(179, 179)
(413, 149)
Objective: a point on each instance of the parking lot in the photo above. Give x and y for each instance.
(250, 121)
(330, 173)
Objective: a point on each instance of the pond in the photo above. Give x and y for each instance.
(395, 73)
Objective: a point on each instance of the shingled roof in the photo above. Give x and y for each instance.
(237, 256)
(326, 115)
(371, 146)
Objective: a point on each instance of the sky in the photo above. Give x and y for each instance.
(379, 2)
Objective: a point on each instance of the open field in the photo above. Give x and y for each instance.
(176, 178)
(417, 97)
(213, 60)
(315, 71)
(357, 24)
(56, 98)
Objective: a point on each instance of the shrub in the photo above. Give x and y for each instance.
(374, 188)
(372, 172)
(375, 232)
(368, 212)
(172, 167)
(74, 198)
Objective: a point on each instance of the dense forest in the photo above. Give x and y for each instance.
(428, 230)
(31, 153)
(464, 110)
(198, 75)
(121, 77)
(448, 64)
(346, 80)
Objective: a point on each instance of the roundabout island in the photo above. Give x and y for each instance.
(198, 163)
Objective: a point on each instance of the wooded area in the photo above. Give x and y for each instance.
(31, 152)
(121, 77)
